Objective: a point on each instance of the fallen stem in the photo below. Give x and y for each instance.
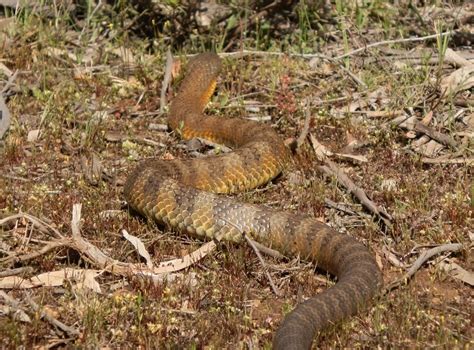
(55, 322)
(394, 41)
(424, 257)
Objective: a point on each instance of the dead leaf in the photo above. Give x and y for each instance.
(139, 246)
(125, 54)
(176, 68)
(456, 271)
(51, 279)
(427, 118)
(453, 57)
(89, 281)
(15, 282)
(17, 314)
(321, 151)
(6, 25)
(18, 3)
(210, 12)
(113, 136)
(5, 70)
(33, 135)
(56, 52)
(430, 148)
(58, 277)
(92, 169)
(459, 80)
(404, 122)
(9, 3)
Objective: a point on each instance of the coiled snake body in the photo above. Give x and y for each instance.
(181, 194)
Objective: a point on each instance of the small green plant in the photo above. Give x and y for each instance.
(442, 41)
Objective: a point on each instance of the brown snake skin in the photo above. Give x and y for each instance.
(178, 194)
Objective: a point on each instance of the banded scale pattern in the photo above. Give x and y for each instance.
(184, 194)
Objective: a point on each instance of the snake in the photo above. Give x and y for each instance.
(189, 196)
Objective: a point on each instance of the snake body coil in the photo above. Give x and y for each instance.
(182, 194)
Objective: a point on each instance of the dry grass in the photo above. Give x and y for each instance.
(89, 98)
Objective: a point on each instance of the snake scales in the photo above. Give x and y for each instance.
(181, 194)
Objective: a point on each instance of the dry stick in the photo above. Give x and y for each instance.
(15, 305)
(47, 248)
(442, 160)
(332, 169)
(19, 270)
(40, 224)
(304, 132)
(348, 72)
(424, 257)
(435, 135)
(265, 250)
(256, 250)
(264, 265)
(166, 80)
(339, 207)
(395, 41)
(97, 257)
(10, 82)
(55, 322)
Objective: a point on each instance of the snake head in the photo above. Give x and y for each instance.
(201, 77)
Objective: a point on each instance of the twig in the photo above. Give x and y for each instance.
(392, 258)
(435, 135)
(424, 257)
(256, 250)
(348, 72)
(443, 160)
(97, 257)
(15, 305)
(265, 250)
(395, 41)
(166, 80)
(38, 223)
(323, 154)
(339, 206)
(47, 248)
(332, 169)
(304, 132)
(19, 270)
(221, 147)
(9, 83)
(55, 322)
(265, 268)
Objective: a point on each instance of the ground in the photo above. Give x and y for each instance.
(83, 87)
